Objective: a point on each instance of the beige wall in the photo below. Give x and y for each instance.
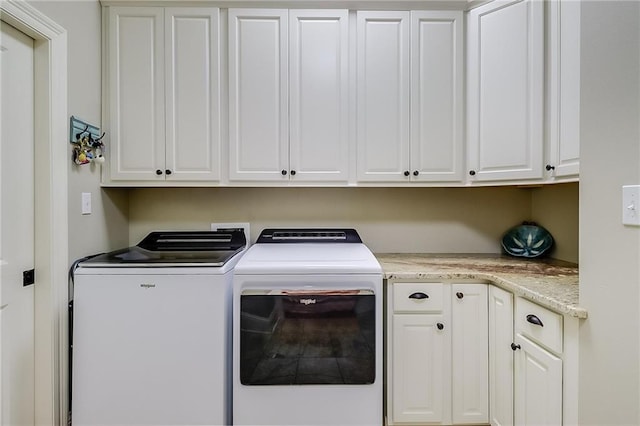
(609, 252)
(461, 220)
(106, 228)
(556, 208)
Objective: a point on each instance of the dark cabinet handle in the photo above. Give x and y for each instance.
(284, 172)
(440, 326)
(416, 173)
(293, 172)
(472, 172)
(549, 167)
(406, 173)
(158, 172)
(514, 346)
(418, 295)
(459, 295)
(534, 320)
(168, 172)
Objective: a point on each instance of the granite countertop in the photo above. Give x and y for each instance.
(551, 283)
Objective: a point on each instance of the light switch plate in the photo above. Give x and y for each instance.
(86, 203)
(631, 205)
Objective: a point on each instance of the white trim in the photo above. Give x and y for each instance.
(51, 219)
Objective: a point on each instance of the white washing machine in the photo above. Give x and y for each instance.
(307, 335)
(152, 331)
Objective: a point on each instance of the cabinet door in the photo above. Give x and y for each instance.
(564, 88)
(500, 357)
(258, 95)
(419, 368)
(136, 93)
(318, 77)
(469, 370)
(505, 90)
(538, 385)
(192, 94)
(383, 96)
(436, 96)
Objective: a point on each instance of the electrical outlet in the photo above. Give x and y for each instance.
(631, 205)
(215, 226)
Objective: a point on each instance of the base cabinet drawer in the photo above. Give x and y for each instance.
(418, 297)
(539, 324)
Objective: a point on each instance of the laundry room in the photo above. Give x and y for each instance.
(407, 210)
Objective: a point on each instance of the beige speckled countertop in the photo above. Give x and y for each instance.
(551, 283)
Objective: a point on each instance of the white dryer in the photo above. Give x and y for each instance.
(152, 331)
(308, 330)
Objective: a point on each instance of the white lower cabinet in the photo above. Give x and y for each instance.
(528, 350)
(418, 368)
(501, 366)
(437, 353)
(538, 385)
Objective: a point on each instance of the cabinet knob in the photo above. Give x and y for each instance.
(293, 172)
(459, 295)
(534, 320)
(416, 173)
(514, 346)
(440, 326)
(472, 172)
(158, 172)
(418, 295)
(284, 172)
(549, 167)
(406, 172)
(167, 172)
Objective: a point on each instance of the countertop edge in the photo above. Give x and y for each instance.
(510, 284)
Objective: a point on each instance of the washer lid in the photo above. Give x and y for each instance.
(175, 248)
(308, 258)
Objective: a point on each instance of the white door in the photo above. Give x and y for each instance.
(258, 95)
(505, 90)
(419, 368)
(16, 228)
(500, 357)
(192, 91)
(319, 72)
(470, 354)
(383, 96)
(136, 86)
(436, 95)
(538, 385)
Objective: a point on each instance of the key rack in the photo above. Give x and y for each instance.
(87, 141)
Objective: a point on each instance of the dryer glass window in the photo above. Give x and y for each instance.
(325, 337)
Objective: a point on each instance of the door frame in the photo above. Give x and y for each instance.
(51, 207)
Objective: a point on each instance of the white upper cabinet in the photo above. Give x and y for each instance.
(563, 68)
(505, 83)
(410, 112)
(136, 93)
(164, 100)
(288, 95)
(383, 96)
(436, 150)
(192, 94)
(319, 102)
(258, 94)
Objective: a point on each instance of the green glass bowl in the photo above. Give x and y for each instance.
(527, 241)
